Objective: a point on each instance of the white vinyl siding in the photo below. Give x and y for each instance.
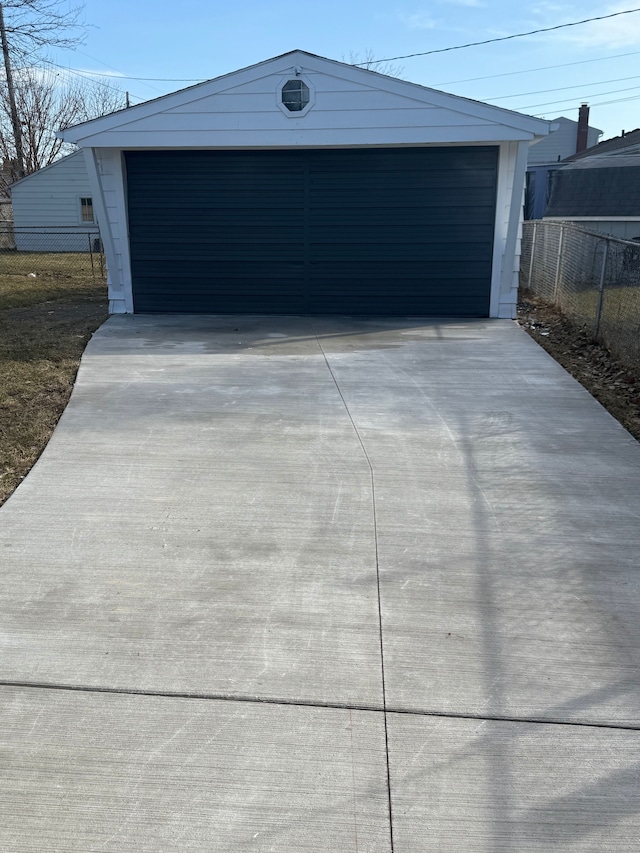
(560, 143)
(355, 108)
(50, 200)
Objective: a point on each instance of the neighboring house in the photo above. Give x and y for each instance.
(53, 208)
(302, 185)
(545, 156)
(600, 188)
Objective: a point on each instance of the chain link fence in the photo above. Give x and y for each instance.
(61, 255)
(593, 279)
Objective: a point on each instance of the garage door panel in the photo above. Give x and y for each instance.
(413, 159)
(327, 274)
(218, 205)
(265, 254)
(442, 179)
(399, 238)
(394, 253)
(406, 217)
(253, 268)
(281, 285)
(228, 303)
(214, 251)
(209, 246)
(461, 197)
(410, 279)
(380, 231)
(205, 234)
(407, 306)
(343, 253)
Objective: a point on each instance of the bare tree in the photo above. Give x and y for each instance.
(34, 24)
(26, 27)
(368, 61)
(45, 104)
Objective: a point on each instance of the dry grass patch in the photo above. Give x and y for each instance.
(30, 278)
(45, 324)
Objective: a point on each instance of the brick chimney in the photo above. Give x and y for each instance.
(583, 129)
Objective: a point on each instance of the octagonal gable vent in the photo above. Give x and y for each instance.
(295, 96)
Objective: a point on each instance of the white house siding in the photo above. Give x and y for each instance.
(352, 108)
(244, 114)
(47, 204)
(560, 143)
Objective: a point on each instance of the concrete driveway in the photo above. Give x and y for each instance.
(281, 584)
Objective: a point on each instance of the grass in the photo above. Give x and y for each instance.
(45, 324)
(27, 278)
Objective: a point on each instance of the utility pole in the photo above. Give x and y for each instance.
(15, 121)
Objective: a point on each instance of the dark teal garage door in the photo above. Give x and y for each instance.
(386, 231)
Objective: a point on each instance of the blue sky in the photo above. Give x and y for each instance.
(199, 39)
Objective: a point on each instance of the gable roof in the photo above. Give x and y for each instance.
(205, 97)
(53, 165)
(616, 144)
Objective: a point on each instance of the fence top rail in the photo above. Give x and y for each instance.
(39, 229)
(571, 225)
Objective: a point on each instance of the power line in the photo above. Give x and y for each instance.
(598, 104)
(617, 101)
(540, 68)
(504, 38)
(154, 79)
(563, 88)
(83, 77)
(119, 76)
(106, 64)
(585, 98)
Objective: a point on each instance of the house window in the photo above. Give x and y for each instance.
(86, 210)
(295, 95)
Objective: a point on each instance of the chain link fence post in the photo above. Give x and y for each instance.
(605, 255)
(558, 262)
(93, 272)
(533, 254)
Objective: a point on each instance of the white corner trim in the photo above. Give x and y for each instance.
(507, 311)
(499, 235)
(123, 223)
(117, 306)
(518, 163)
(102, 218)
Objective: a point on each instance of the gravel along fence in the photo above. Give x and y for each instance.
(593, 279)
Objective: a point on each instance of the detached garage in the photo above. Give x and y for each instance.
(306, 186)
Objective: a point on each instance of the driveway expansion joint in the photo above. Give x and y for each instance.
(375, 536)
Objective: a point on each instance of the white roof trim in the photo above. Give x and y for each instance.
(311, 62)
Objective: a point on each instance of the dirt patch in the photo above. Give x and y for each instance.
(614, 385)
